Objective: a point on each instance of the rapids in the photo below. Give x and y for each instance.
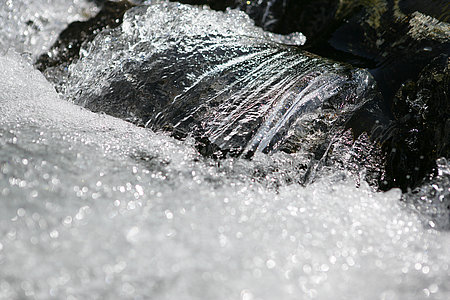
(95, 207)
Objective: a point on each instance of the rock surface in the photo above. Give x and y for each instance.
(421, 132)
(390, 38)
(95, 207)
(223, 81)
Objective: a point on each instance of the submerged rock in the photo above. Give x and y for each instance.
(357, 31)
(215, 76)
(238, 89)
(395, 39)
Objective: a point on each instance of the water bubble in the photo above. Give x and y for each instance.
(270, 264)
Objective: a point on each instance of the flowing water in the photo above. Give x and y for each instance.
(31, 27)
(213, 75)
(94, 207)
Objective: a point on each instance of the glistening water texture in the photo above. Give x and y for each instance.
(31, 27)
(211, 74)
(93, 207)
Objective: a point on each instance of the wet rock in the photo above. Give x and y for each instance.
(421, 131)
(187, 84)
(377, 34)
(400, 46)
(216, 77)
(432, 197)
(312, 18)
(438, 9)
(411, 118)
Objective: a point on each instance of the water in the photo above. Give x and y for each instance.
(212, 75)
(93, 207)
(31, 27)
(432, 198)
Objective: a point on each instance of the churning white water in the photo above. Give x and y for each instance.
(31, 27)
(93, 207)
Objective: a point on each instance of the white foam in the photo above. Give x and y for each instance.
(32, 26)
(93, 207)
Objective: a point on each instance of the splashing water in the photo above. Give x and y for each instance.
(94, 207)
(31, 27)
(432, 199)
(212, 75)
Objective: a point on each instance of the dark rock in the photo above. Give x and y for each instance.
(401, 46)
(370, 34)
(431, 199)
(388, 37)
(411, 119)
(421, 132)
(221, 80)
(438, 9)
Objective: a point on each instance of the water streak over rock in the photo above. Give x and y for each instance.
(214, 76)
